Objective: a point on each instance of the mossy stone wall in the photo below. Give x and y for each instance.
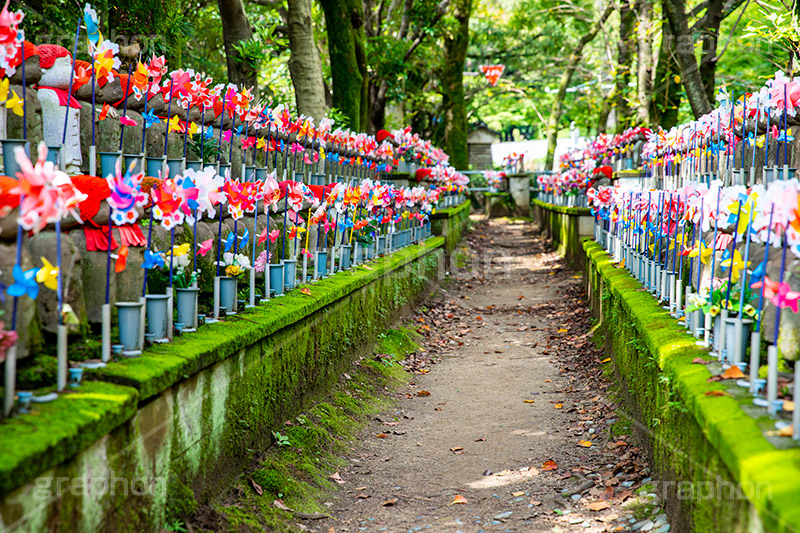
(450, 223)
(207, 403)
(564, 226)
(716, 469)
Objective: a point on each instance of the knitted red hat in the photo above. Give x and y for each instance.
(382, 135)
(48, 53)
(606, 170)
(422, 173)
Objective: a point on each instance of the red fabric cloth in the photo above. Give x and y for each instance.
(62, 96)
(382, 135)
(131, 235)
(97, 238)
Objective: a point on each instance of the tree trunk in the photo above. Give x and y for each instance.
(644, 42)
(236, 28)
(377, 105)
(624, 62)
(566, 77)
(304, 64)
(344, 23)
(452, 80)
(685, 56)
(666, 97)
(708, 57)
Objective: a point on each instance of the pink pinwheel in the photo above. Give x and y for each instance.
(10, 39)
(249, 142)
(208, 185)
(168, 203)
(779, 294)
(233, 190)
(125, 121)
(126, 196)
(205, 247)
(49, 194)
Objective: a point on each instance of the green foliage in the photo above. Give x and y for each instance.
(281, 440)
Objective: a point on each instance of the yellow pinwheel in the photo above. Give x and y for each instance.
(703, 251)
(181, 249)
(15, 103)
(738, 265)
(193, 129)
(175, 124)
(48, 275)
(746, 212)
(4, 90)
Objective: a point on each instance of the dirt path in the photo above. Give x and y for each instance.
(508, 391)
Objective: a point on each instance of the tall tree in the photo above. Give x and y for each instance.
(644, 59)
(395, 32)
(699, 81)
(566, 77)
(452, 86)
(625, 47)
(236, 30)
(344, 22)
(304, 64)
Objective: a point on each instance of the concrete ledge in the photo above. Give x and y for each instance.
(565, 226)
(450, 223)
(698, 442)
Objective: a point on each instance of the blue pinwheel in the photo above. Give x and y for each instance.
(150, 118)
(757, 274)
(229, 242)
(244, 238)
(153, 260)
(24, 283)
(208, 134)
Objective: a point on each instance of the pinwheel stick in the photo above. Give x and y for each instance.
(733, 251)
(108, 258)
(714, 244)
(25, 98)
(125, 108)
(778, 307)
(221, 124)
(149, 240)
(743, 287)
(169, 112)
(766, 259)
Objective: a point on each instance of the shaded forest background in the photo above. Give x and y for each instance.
(372, 64)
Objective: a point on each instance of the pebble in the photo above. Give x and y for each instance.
(575, 497)
(503, 516)
(662, 529)
(591, 430)
(515, 499)
(639, 525)
(609, 421)
(576, 521)
(660, 520)
(626, 484)
(645, 480)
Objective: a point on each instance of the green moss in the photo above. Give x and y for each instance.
(181, 502)
(299, 474)
(58, 430)
(693, 437)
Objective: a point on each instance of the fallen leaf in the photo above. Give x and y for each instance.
(362, 496)
(716, 393)
(733, 372)
(536, 503)
(585, 443)
(606, 360)
(457, 450)
(518, 493)
(549, 465)
(458, 499)
(528, 401)
(481, 439)
(359, 489)
(280, 505)
(389, 503)
(479, 317)
(381, 435)
(562, 330)
(785, 431)
(624, 495)
(306, 291)
(520, 297)
(699, 361)
(337, 478)
(257, 487)
(365, 266)
(548, 381)
(598, 506)
(423, 393)
(558, 406)
(788, 406)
